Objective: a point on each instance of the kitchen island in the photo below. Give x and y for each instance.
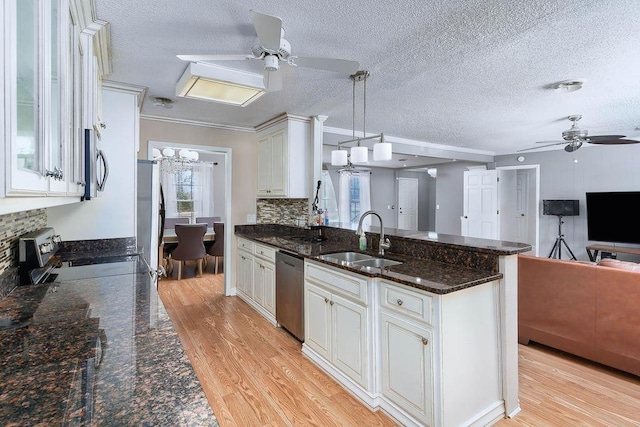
(431, 340)
(95, 351)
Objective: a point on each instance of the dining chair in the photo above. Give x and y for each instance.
(209, 220)
(168, 248)
(216, 250)
(190, 245)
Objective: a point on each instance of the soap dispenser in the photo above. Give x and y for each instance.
(362, 242)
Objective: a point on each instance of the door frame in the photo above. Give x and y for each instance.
(229, 263)
(536, 169)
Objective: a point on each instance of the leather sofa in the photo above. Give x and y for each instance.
(589, 310)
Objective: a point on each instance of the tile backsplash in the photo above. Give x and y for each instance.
(12, 226)
(281, 211)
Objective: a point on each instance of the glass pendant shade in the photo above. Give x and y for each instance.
(382, 151)
(339, 158)
(359, 154)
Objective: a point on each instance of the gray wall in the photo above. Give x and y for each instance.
(449, 185)
(562, 176)
(383, 193)
(384, 197)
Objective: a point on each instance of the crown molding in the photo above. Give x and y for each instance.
(196, 123)
(281, 119)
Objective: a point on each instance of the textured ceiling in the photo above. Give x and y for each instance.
(469, 74)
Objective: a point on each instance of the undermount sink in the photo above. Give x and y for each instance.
(377, 262)
(350, 256)
(364, 260)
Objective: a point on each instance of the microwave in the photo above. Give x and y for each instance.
(96, 167)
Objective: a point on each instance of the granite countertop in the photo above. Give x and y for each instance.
(429, 275)
(95, 351)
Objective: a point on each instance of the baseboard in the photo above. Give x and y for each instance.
(370, 399)
(257, 307)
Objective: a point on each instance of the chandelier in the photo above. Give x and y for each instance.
(382, 150)
(172, 161)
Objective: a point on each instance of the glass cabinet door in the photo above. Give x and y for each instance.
(28, 147)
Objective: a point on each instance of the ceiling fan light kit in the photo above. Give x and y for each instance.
(214, 83)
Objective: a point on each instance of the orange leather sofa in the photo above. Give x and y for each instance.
(588, 310)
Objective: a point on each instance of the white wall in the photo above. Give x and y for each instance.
(112, 214)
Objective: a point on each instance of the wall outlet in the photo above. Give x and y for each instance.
(251, 218)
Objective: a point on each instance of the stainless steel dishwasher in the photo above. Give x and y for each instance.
(290, 293)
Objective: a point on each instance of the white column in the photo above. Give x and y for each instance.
(315, 169)
(509, 332)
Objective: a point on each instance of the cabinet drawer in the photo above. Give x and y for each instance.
(406, 301)
(266, 252)
(245, 244)
(347, 284)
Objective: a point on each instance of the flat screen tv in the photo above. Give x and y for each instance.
(614, 217)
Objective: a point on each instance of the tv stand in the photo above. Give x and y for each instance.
(597, 248)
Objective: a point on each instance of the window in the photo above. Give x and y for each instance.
(188, 190)
(355, 196)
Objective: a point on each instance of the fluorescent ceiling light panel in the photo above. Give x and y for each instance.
(220, 84)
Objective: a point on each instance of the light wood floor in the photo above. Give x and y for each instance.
(254, 374)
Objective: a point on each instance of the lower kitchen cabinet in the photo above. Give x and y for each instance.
(338, 326)
(264, 284)
(244, 274)
(256, 277)
(406, 362)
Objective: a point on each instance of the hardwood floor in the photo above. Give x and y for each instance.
(254, 374)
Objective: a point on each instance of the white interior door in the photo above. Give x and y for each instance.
(407, 203)
(480, 204)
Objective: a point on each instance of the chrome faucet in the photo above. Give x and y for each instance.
(384, 242)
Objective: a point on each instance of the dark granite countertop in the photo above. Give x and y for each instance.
(96, 351)
(422, 273)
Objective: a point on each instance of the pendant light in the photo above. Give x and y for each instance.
(382, 151)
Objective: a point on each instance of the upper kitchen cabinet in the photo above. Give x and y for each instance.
(283, 157)
(54, 53)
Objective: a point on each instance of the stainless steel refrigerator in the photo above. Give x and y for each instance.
(148, 211)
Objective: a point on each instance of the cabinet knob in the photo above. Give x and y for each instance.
(425, 341)
(331, 302)
(326, 300)
(400, 302)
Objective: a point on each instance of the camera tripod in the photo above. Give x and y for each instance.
(556, 251)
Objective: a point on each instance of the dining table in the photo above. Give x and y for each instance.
(169, 235)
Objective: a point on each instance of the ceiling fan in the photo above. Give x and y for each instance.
(575, 137)
(274, 49)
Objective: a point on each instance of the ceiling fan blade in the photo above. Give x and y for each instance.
(196, 58)
(542, 146)
(570, 148)
(612, 141)
(555, 141)
(272, 80)
(269, 30)
(328, 64)
(605, 137)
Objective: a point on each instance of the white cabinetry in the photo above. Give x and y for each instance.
(338, 326)
(43, 87)
(283, 157)
(244, 274)
(440, 355)
(256, 277)
(407, 351)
